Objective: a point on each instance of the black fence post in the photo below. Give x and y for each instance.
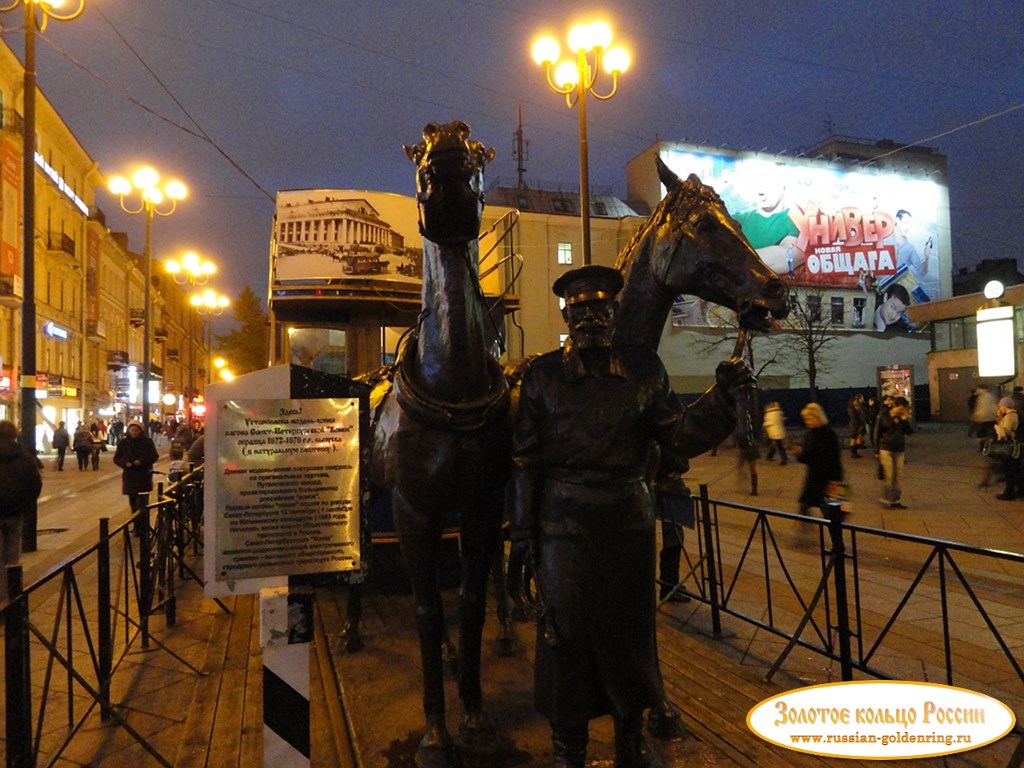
(18, 701)
(145, 568)
(834, 514)
(105, 643)
(711, 562)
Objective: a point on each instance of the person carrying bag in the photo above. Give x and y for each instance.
(1006, 448)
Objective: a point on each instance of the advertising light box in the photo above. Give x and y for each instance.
(342, 234)
(823, 225)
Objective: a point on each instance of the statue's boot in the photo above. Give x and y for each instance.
(631, 749)
(665, 722)
(570, 744)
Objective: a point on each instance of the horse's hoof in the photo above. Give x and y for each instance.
(664, 722)
(351, 640)
(506, 644)
(436, 749)
(521, 613)
(477, 733)
(437, 757)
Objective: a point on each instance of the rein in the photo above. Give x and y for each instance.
(453, 417)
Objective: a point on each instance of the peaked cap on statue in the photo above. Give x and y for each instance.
(586, 283)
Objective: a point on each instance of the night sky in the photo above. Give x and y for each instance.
(324, 93)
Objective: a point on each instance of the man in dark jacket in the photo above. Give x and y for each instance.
(61, 441)
(589, 416)
(20, 484)
(891, 432)
(136, 454)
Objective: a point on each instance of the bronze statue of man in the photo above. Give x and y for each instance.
(589, 416)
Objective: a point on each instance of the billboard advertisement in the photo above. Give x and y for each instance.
(874, 233)
(340, 234)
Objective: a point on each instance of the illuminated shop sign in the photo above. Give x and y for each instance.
(62, 185)
(55, 331)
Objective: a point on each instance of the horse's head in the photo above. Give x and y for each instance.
(449, 182)
(700, 249)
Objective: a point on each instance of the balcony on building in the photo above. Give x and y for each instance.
(12, 121)
(117, 359)
(10, 291)
(95, 330)
(61, 244)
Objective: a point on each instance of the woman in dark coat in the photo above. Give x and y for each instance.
(135, 455)
(820, 452)
(20, 484)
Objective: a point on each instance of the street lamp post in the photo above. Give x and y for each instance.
(209, 303)
(151, 197)
(191, 270)
(574, 80)
(27, 384)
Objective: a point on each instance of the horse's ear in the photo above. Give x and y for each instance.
(668, 178)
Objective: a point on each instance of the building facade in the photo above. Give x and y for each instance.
(89, 288)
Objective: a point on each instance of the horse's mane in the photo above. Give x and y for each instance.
(681, 198)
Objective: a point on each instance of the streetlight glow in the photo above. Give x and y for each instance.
(567, 75)
(191, 270)
(576, 78)
(151, 197)
(545, 51)
(616, 61)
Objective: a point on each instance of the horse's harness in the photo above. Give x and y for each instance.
(453, 417)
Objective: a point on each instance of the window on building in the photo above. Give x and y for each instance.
(814, 308)
(838, 311)
(565, 253)
(859, 303)
(562, 338)
(600, 208)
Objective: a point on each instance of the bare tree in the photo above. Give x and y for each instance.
(807, 339)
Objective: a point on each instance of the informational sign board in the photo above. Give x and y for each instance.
(288, 487)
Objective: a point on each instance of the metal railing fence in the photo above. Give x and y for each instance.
(880, 603)
(86, 616)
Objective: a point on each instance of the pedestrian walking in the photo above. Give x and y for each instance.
(136, 454)
(870, 417)
(775, 431)
(1007, 427)
(97, 446)
(856, 426)
(81, 444)
(746, 459)
(61, 442)
(20, 485)
(983, 415)
(890, 446)
(820, 453)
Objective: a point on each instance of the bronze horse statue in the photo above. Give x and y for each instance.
(442, 436)
(690, 244)
(442, 444)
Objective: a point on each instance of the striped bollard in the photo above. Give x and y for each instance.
(286, 628)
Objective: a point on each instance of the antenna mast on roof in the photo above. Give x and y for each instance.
(521, 152)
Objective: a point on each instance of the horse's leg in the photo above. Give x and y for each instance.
(507, 642)
(351, 638)
(479, 530)
(420, 540)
